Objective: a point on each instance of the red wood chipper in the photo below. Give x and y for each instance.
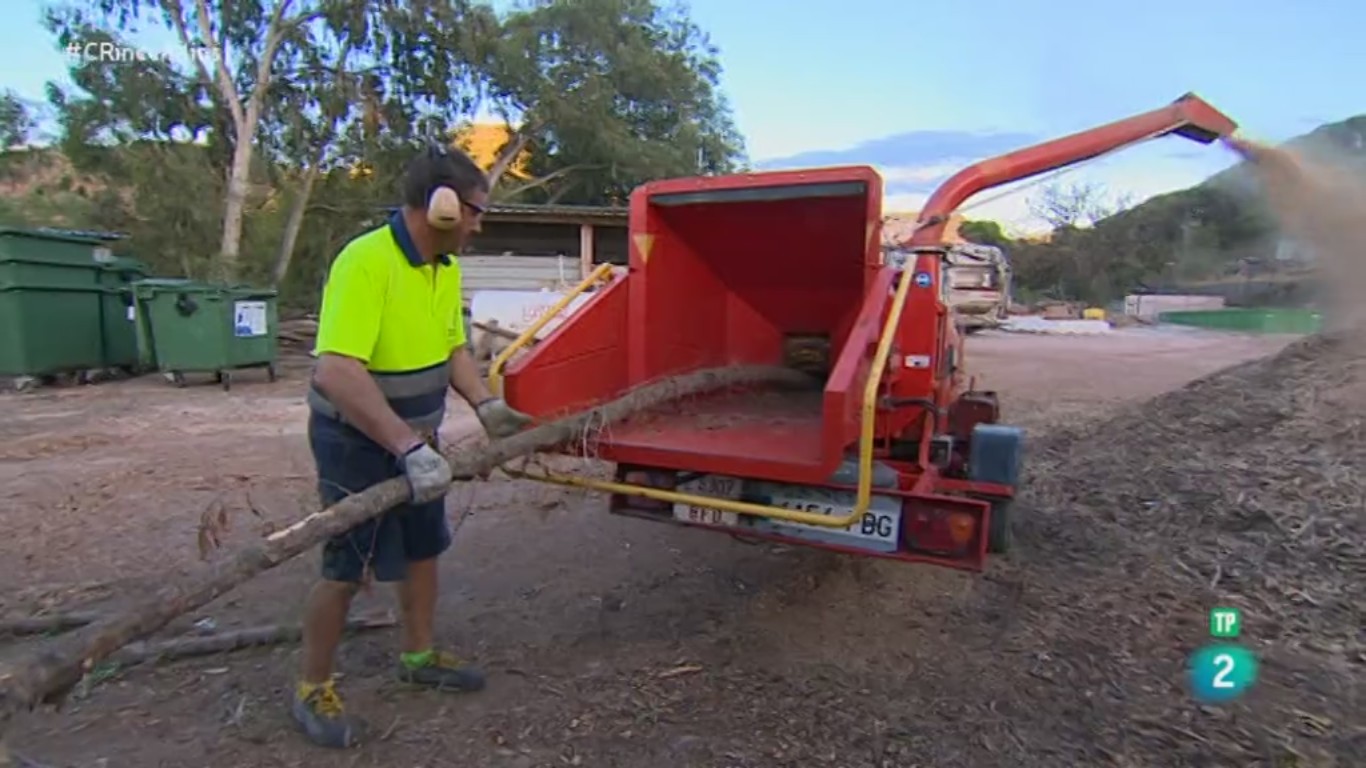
(896, 456)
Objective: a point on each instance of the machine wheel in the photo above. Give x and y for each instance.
(271, 373)
(999, 531)
(178, 378)
(226, 378)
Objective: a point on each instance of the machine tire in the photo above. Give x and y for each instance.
(999, 531)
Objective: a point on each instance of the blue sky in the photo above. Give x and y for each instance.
(920, 89)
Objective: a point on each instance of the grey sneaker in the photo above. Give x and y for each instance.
(323, 719)
(444, 672)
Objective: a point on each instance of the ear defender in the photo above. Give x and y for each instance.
(444, 208)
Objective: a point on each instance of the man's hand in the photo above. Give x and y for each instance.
(499, 419)
(428, 474)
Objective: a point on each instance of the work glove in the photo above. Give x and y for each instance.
(499, 419)
(428, 474)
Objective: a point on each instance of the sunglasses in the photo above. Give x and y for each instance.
(479, 210)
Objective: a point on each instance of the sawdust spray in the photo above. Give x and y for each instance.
(1322, 207)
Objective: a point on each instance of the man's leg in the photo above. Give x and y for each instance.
(324, 623)
(427, 534)
(317, 708)
(417, 601)
(345, 464)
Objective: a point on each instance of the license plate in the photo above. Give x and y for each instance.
(881, 523)
(714, 486)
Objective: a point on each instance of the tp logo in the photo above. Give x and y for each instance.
(1223, 671)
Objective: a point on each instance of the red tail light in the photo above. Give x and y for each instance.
(940, 531)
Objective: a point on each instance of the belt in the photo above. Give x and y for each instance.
(425, 425)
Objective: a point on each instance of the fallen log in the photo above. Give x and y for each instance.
(48, 672)
(232, 640)
(53, 622)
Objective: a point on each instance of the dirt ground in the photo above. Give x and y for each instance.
(608, 641)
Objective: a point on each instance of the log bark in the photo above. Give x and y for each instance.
(233, 640)
(54, 622)
(52, 670)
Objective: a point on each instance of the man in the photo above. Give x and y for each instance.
(391, 338)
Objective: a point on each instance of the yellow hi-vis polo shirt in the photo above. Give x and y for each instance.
(402, 317)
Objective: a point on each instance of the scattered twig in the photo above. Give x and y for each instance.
(11, 759)
(685, 669)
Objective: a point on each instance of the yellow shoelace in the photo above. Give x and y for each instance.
(446, 660)
(326, 701)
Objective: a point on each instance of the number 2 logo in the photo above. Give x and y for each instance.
(1224, 662)
(1220, 673)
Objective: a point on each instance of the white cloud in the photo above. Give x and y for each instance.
(1140, 173)
(907, 203)
(919, 174)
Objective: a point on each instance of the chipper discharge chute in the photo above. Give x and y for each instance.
(890, 453)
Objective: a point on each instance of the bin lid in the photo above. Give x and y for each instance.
(83, 236)
(152, 285)
(126, 264)
(250, 292)
(49, 261)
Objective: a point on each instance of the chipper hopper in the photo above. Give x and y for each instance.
(891, 452)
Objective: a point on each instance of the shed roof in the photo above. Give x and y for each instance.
(552, 214)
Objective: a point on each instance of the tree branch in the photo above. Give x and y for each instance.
(221, 76)
(177, 13)
(275, 35)
(549, 177)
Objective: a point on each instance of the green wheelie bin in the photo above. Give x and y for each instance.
(118, 314)
(191, 327)
(66, 246)
(49, 314)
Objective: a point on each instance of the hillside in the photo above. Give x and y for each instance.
(1229, 207)
(1217, 235)
(1342, 143)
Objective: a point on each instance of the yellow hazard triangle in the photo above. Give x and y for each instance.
(644, 242)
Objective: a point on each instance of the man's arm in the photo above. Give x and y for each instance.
(498, 419)
(348, 327)
(350, 387)
(465, 378)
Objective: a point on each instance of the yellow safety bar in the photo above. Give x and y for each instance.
(499, 362)
(864, 497)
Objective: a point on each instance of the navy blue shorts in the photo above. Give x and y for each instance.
(349, 462)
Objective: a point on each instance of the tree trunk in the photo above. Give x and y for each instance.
(239, 180)
(53, 670)
(293, 225)
(506, 158)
